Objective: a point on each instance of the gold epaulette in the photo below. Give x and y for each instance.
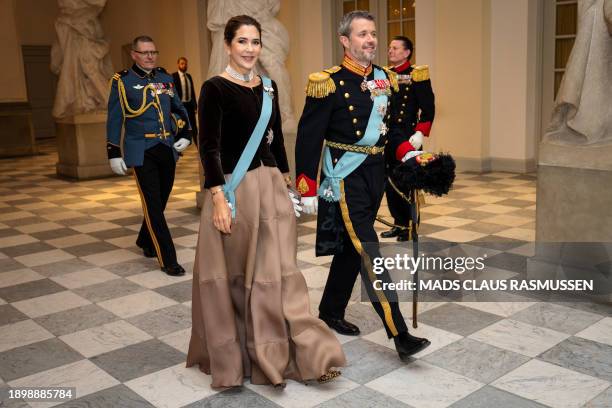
(392, 78)
(320, 84)
(333, 69)
(118, 75)
(420, 73)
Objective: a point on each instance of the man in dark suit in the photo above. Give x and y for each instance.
(185, 90)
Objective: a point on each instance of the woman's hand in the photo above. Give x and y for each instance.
(222, 214)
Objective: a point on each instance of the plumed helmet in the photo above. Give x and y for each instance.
(432, 173)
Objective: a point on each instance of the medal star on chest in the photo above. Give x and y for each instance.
(270, 137)
(383, 129)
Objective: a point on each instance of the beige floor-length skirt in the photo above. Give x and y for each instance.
(251, 311)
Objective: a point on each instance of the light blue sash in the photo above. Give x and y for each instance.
(252, 145)
(329, 189)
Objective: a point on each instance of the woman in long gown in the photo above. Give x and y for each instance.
(251, 313)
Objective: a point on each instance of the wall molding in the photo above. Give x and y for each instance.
(488, 164)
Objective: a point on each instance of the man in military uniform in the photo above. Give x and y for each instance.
(144, 102)
(348, 108)
(416, 110)
(183, 83)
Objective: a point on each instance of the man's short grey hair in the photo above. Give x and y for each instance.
(140, 38)
(344, 28)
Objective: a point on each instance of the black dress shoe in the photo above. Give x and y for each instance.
(341, 326)
(149, 252)
(393, 232)
(403, 236)
(407, 345)
(173, 270)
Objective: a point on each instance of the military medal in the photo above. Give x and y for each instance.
(383, 129)
(378, 87)
(404, 79)
(364, 84)
(270, 136)
(328, 192)
(269, 90)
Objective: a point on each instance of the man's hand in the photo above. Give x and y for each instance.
(416, 140)
(181, 144)
(310, 204)
(118, 166)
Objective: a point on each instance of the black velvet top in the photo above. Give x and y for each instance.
(227, 115)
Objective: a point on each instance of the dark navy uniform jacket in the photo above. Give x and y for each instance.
(337, 110)
(339, 113)
(414, 104)
(148, 107)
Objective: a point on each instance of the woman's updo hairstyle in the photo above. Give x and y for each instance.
(234, 23)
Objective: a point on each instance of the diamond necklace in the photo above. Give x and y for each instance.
(237, 75)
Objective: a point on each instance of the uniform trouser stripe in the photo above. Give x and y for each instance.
(148, 222)
(367, 261)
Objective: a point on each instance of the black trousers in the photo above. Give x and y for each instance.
(363, 191)
(190, 107)
(398, 207)
(154, 180)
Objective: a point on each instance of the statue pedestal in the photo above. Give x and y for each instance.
(81, 147)
(574, 216)
(16, 132)
(574, 198)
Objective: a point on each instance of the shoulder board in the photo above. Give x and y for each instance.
(320, 84)
(120, 74)
(420, 73)
(160, 69)
(333, 69)
(392, 78)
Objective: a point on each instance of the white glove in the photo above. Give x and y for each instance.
(411, 154)
(310, 204)
(416, 140)
(181, 144)
(118, 166)
(296, 204)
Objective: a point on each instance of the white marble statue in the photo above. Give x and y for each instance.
(275, 40)
(583, 112)
(80, 57)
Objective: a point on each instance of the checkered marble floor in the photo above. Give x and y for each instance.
(81, 307)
